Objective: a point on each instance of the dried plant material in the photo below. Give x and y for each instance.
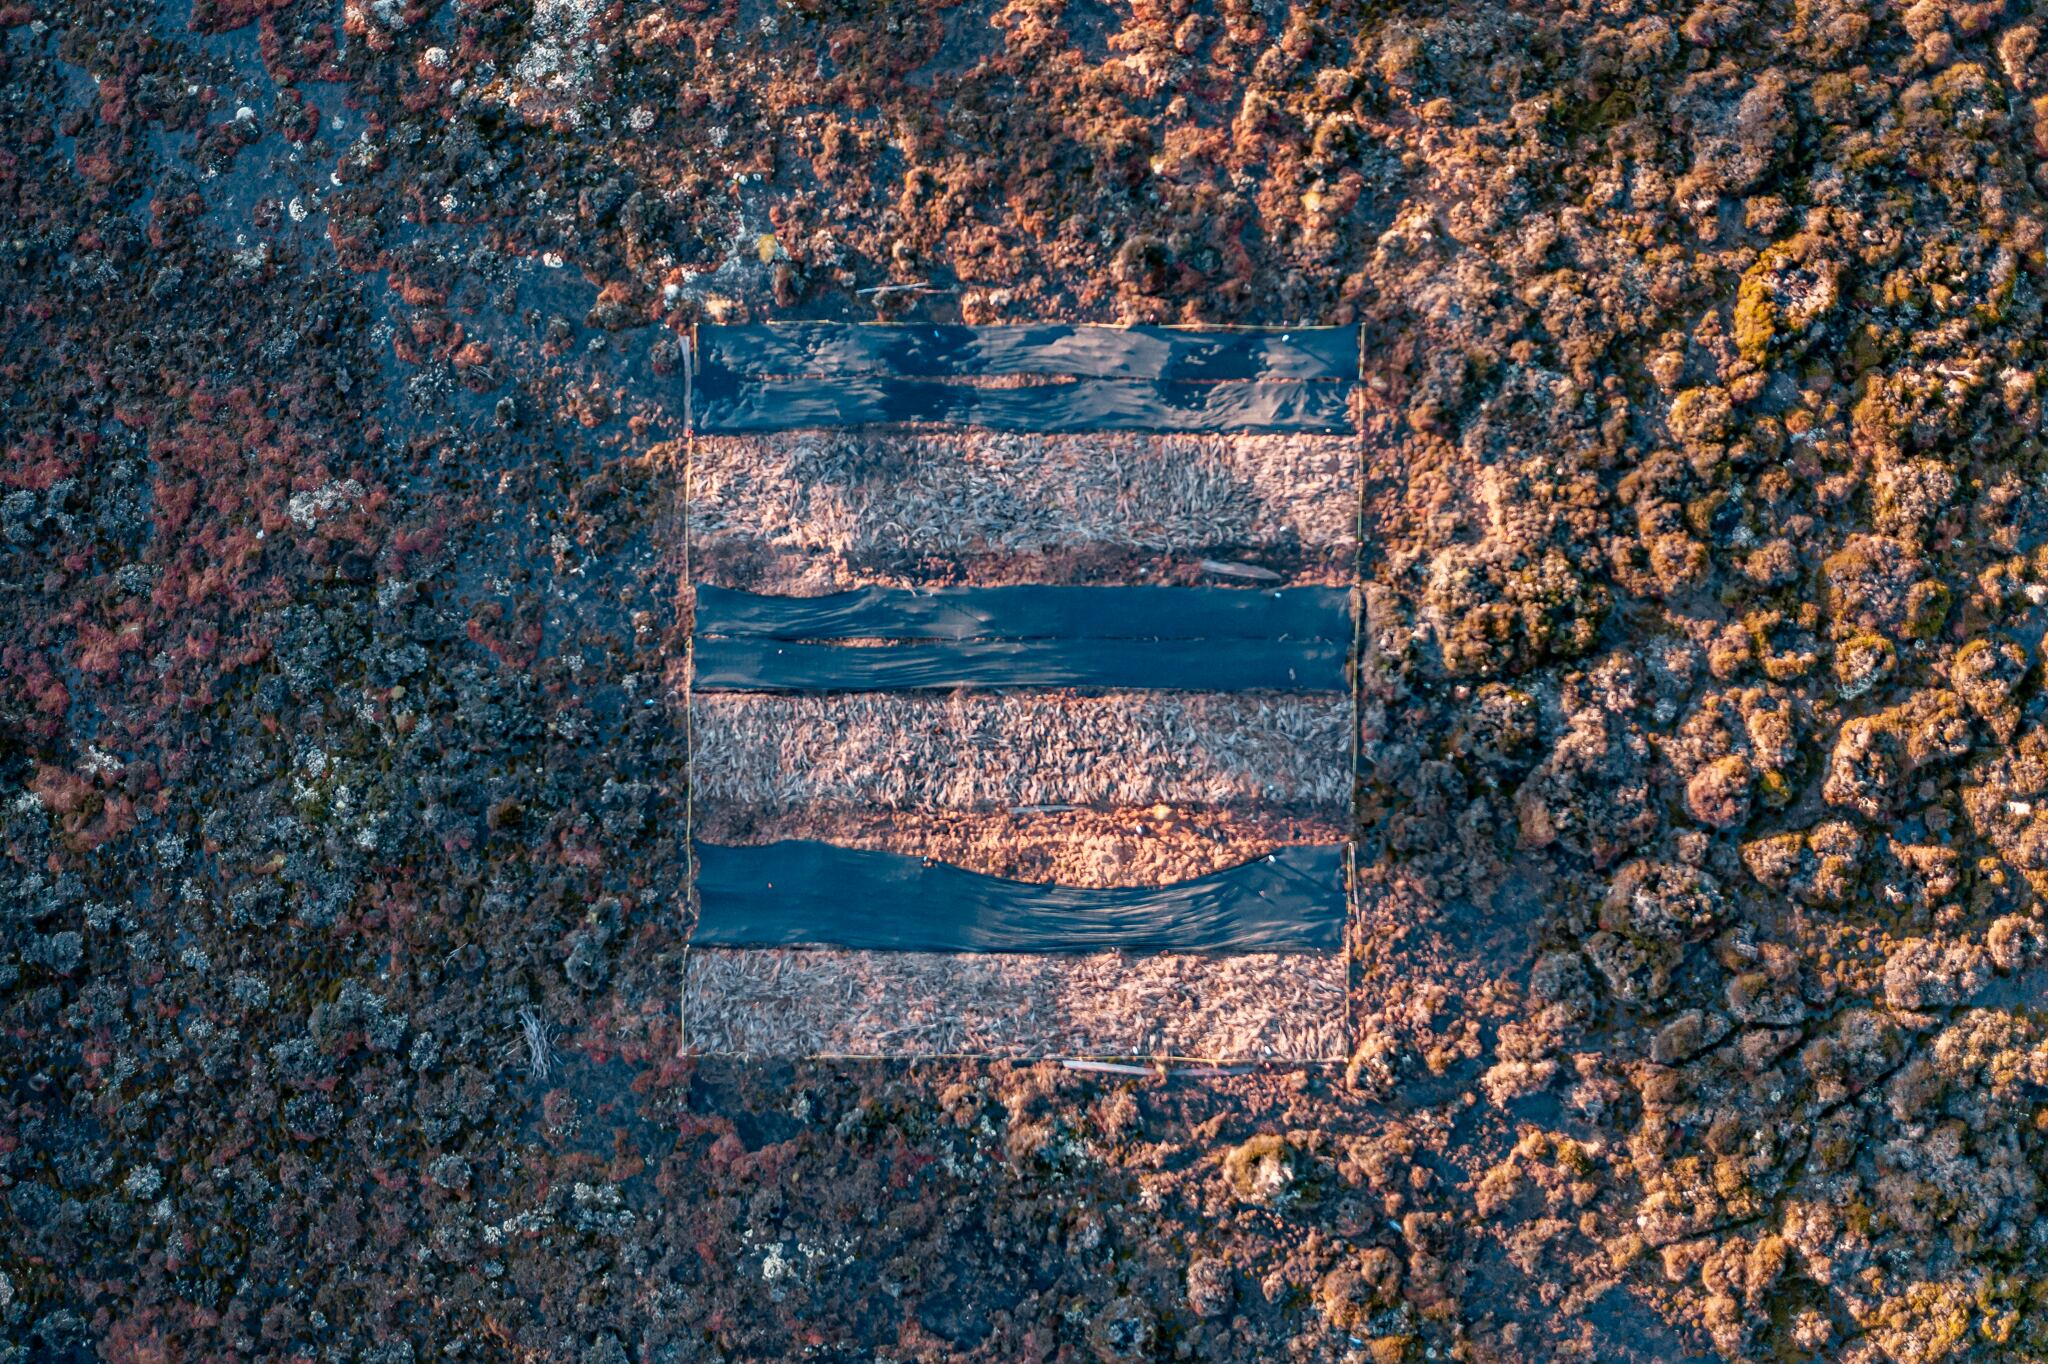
(998, 751)
(814, 511)
(1149, 847)
(787, 1003)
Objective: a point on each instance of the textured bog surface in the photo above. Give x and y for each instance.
(1021, 691)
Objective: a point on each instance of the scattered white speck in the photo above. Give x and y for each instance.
(641, 119)
(436, 57)
(552, 260)
(244, 114)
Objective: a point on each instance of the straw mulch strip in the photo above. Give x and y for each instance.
(774, 1003)
(816, 511)
(1065, 847)
(998, 751)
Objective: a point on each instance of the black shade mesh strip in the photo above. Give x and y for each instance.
(779, 894)
(729, 406)
(828, 349)
(728, 664)
(1032, 612)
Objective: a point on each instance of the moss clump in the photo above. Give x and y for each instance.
(1507, 617)
(1344, 1298)
(1264, 1169)
(1785, 652)
(1701, 415)
(1756, 317)
(1861, 662)
(1927, 605)
(1783, 298)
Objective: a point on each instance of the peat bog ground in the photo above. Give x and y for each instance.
(1700, 996)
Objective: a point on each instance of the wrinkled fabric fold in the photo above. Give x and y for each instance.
(773, 665)
(800, 891)
(932, 351)
(728, 405)
(1031, 612)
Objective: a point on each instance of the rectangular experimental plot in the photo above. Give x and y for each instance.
(1021, 690)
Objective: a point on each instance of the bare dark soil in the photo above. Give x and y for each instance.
(340, 764)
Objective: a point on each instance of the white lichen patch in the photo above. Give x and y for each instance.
(560, 64)
(306, 508)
